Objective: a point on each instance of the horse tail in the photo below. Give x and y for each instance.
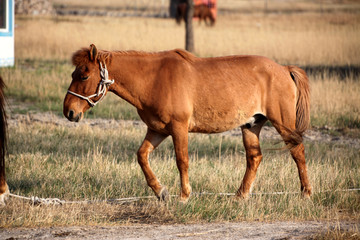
(303, 102)
(3, 138)
(302, 106)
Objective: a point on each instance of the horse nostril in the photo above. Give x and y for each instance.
(71, 114)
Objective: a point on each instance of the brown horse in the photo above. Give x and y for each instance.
(176, 93)
(201, 11)
(4, 189)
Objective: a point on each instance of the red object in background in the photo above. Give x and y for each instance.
(211, 5)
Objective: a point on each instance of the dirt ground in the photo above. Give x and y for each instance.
(241, 230)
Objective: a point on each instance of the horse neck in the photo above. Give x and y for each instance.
(133, 76)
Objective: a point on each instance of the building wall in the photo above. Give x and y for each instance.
(7, 47)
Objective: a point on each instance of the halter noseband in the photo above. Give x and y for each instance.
(103, 86)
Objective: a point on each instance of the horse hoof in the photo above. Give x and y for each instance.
(306, 194)
(184, 200)
(163, 195)
(242, 196)
(185, 194)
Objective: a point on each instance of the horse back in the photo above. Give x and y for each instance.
(228, 91)
(210, 94)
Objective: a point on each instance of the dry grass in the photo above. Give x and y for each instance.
(224, 6)
(335, 102)
(20, 214)
(304, 39)
(90, 163)
(337, 234)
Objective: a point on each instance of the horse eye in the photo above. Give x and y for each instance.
(84, 78)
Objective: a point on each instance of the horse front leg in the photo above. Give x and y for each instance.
(180, 140)
(151, 141)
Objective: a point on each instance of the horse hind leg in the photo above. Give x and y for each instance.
(250, 132)
(298, 154)
(293, 140)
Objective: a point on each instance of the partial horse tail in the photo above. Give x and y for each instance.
(302, 105)
(303, 102)
(3, 138)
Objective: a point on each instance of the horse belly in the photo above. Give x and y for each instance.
(224, 105)
(211, 120)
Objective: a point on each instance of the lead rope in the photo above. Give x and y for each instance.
(103, 86)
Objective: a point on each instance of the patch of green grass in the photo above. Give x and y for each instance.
(348, 121)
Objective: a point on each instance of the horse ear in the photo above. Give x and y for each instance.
(93, 52)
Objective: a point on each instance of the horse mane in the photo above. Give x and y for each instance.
(180, 52)
(185, 55)
(82, 56)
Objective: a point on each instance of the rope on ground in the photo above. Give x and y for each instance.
(55, 201)
(44, 201)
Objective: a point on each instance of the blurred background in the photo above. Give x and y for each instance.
(289, 31)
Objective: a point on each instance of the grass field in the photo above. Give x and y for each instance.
(305, 39)
(92, 163)
(95, 164)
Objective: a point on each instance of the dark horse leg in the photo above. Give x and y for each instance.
(151, 141)
(253, 157)
(4, 190)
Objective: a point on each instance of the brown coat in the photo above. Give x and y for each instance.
(176, 93)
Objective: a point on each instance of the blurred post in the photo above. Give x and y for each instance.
(321, 6)
(189, 38)
(266, 7)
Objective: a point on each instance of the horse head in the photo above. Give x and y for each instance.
(89, 83)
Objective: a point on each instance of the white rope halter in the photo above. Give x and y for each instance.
(103, 86)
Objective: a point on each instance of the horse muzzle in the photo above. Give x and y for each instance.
(73, 117)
